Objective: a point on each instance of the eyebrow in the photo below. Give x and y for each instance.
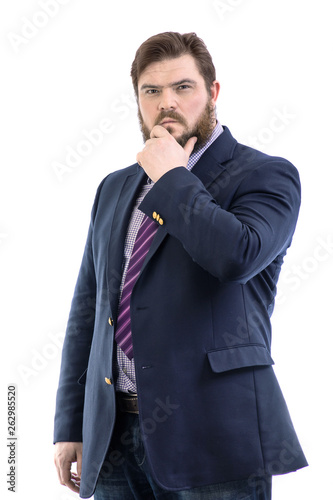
(174, 84)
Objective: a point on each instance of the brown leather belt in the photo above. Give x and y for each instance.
(127, 402)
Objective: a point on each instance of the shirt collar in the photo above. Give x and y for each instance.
(195, 157)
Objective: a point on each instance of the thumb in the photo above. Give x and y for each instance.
(189, 146)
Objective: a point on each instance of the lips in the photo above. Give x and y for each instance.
(166, 122)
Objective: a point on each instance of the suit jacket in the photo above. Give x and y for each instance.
(210, 406)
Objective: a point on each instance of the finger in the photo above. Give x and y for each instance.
(64, 472)
(66, 478)
(56, 465)
(73, 484)
(79, 464)
(59, 470)
(189, 146)
(76, 478)
(158, 131)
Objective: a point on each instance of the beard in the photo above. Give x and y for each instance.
(202, 129)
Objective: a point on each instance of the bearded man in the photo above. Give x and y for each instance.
(167, 390)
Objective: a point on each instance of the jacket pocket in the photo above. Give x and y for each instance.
(242, 356)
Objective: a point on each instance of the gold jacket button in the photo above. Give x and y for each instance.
(111, 322)
(161, 222)
(154, 215)
(108, 381)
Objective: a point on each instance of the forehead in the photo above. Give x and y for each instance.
(169, 70)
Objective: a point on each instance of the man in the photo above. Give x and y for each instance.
(167, 380)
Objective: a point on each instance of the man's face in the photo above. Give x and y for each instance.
(172, 93)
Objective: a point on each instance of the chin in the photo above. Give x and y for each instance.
(172, 131)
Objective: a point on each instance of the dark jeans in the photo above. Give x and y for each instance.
(125, 474)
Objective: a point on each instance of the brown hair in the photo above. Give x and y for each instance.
(170, 45)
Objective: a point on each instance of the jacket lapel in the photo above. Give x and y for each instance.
(128, 194)
(210, 165)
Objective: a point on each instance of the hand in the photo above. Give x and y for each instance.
(163, 153)
(65, 454)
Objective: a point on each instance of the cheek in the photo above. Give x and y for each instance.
(194, 109)
(147, 114)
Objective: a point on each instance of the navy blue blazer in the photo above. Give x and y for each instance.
(211, 409)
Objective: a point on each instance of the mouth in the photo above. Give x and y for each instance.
(168, 121)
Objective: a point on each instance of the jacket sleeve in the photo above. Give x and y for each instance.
(76, 348)
(236, 242)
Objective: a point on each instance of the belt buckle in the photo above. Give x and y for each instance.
(128, 403)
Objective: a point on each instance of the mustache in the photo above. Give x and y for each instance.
(173, 115)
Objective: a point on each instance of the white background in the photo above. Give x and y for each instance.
(62, 74)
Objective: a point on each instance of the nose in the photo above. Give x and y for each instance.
(167, 101)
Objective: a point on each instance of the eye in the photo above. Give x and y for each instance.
(183, 87)
(151, 91)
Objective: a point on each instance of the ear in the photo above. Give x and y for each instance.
(215, 90)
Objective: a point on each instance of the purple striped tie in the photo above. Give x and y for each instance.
(144, 238)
